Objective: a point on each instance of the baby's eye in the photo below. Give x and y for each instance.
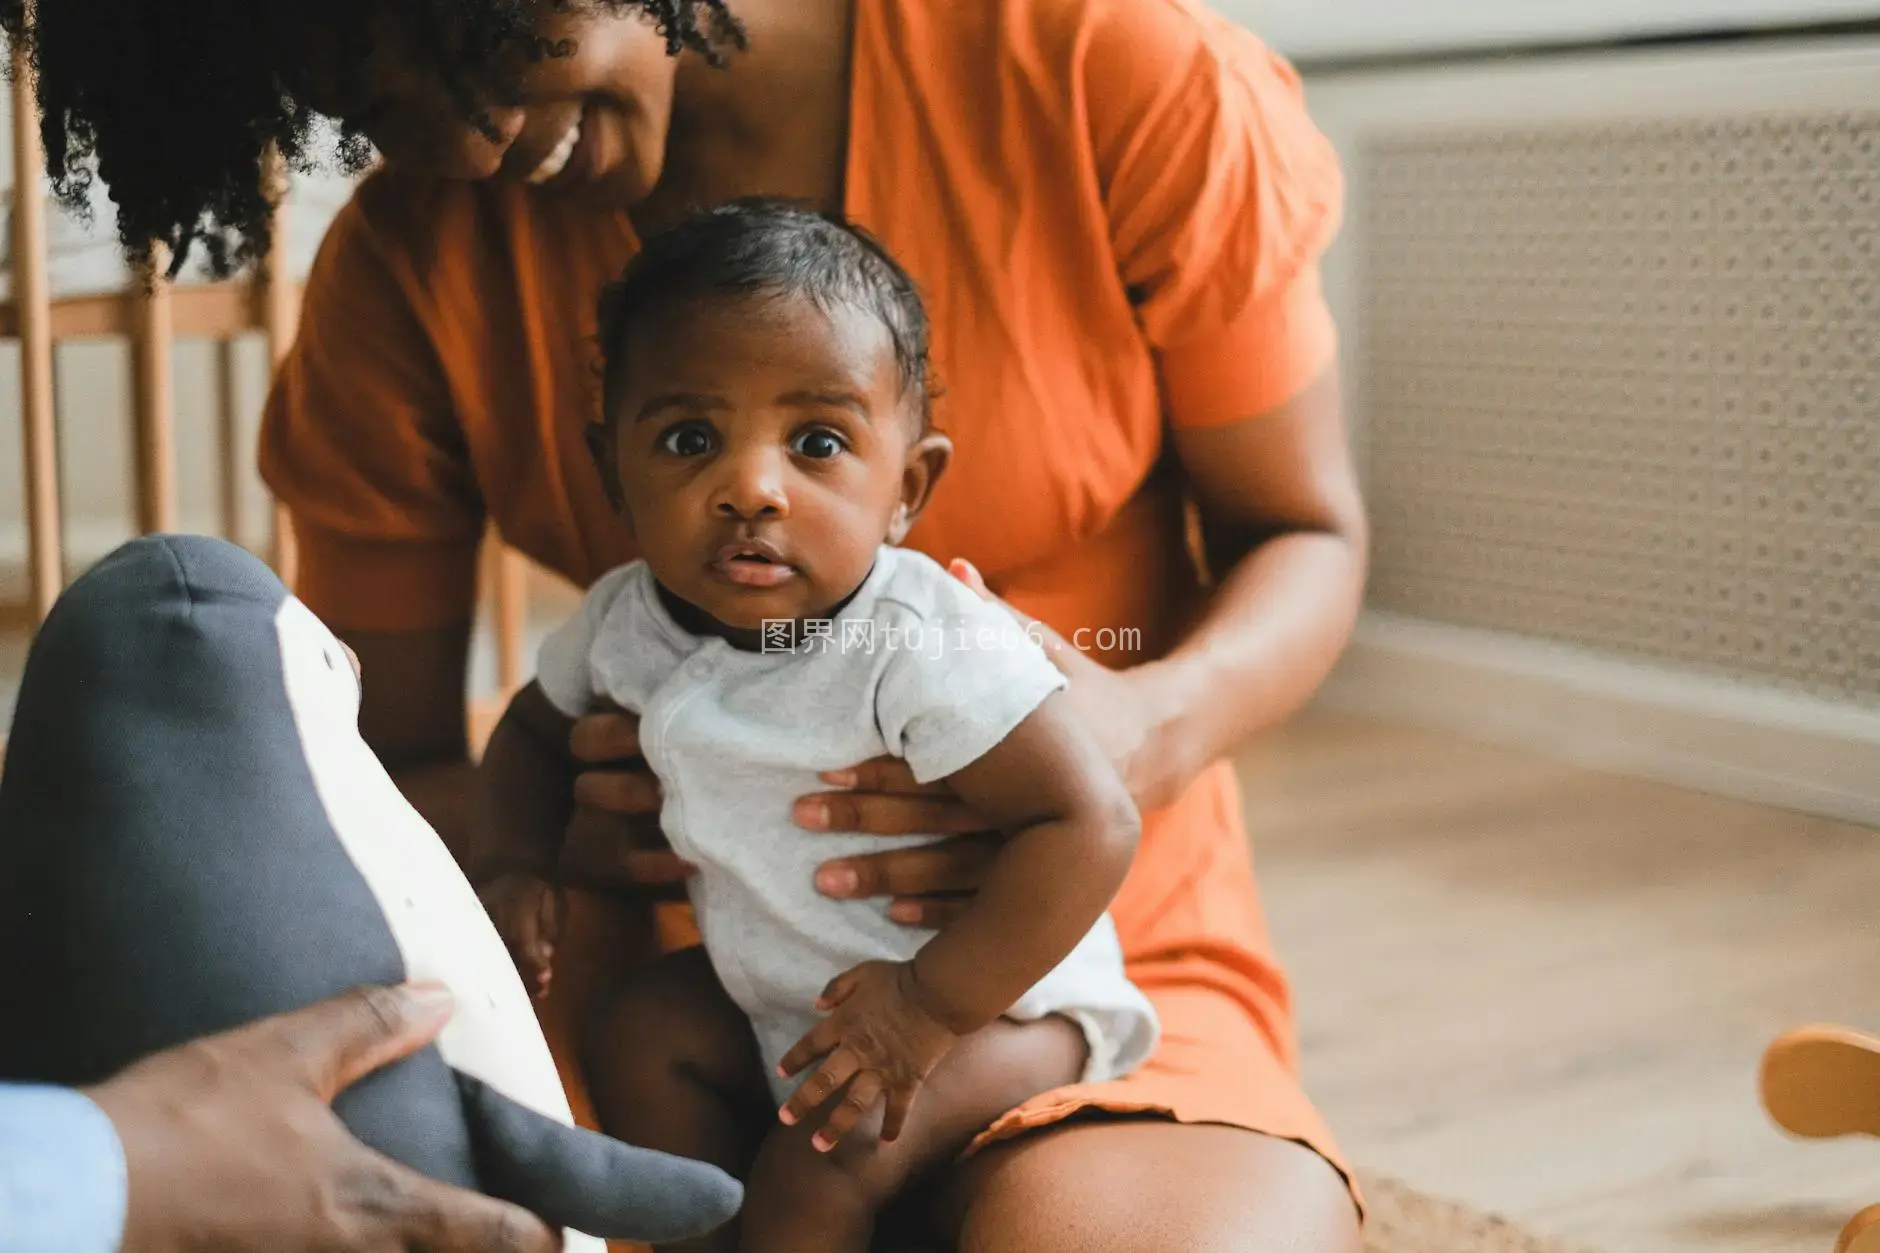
(818, 444)
(688, 439)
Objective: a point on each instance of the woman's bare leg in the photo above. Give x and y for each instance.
(1148, 1186)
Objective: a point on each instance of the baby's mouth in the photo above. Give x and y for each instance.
(755, 564)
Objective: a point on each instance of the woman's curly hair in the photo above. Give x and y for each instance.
(174, 103)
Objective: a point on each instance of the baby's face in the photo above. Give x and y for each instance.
(765, 450)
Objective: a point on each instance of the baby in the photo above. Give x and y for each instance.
(765, 435)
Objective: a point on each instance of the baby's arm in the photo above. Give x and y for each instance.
(1074, 832)
(528, 775)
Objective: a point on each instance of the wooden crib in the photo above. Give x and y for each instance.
(152, 320)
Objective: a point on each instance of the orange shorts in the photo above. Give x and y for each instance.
(1196, 942)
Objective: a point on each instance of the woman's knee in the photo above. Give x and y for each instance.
(1148, 1186)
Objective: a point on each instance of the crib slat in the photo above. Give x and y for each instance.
(153, 399)
(279, 317)
(33, 309)
(197, 311)
(228, 438)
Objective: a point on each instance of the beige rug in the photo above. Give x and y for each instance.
(1405, 1221)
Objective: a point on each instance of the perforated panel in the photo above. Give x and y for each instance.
(1622, 387)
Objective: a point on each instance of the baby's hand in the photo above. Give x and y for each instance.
(527, 913)
(879, 1040)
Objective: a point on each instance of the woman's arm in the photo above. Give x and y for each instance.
(1287, 537)
(1285, 531)
(1222, 196)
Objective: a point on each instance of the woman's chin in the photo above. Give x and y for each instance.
(624, 180)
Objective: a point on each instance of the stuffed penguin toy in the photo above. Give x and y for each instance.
(193, 836)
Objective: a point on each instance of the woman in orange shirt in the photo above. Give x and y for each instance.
(1115, 209)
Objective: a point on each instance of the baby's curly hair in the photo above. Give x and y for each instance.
(173, 103)
(768, 247)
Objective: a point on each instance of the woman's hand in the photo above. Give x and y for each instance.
(929, 884)
(614, 842)
(932, 884)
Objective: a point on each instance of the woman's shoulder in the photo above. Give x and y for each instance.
(1073, 83)
(465, 260)
(405, 222)
(1073, 23)
(431, 231)
(1070, 40)
(1129, 53)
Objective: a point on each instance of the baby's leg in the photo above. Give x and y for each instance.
(672, 1065)
(802, 1201)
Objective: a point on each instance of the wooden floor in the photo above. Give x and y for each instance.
(1545, 991)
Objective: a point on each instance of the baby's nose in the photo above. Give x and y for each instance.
(754, 488)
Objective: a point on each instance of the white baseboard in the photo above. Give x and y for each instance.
(1751, 743)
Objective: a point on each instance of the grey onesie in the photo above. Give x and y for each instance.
(915, 665)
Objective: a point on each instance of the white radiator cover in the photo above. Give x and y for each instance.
(1333, 29)
(1612, 343)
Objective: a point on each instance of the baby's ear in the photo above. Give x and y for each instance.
(927, 461)
(600, 442)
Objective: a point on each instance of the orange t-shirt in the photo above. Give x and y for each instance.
(1115, 210)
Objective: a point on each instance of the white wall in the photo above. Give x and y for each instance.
(93, 388)
(1320, 29)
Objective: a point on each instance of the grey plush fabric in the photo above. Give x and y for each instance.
(168, 871)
